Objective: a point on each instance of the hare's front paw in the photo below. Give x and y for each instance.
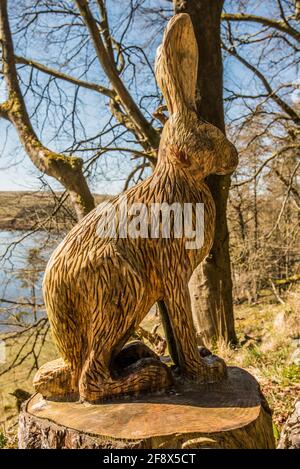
(55, 380)
(208, 369)
(215, 368)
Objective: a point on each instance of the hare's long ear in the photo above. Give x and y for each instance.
(176, 64)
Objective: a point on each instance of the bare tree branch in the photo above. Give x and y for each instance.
(66, 169)
(272, 94)
(142, 126)
(284, 201)
(65, 77)
(105, 29)
(293, 189)
(279, 25)
(264, 164)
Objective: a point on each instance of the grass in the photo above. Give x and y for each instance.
(268, 334)
(19, 377)
(267, 361)
(3, 440)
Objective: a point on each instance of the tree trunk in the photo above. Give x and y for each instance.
(231, 414)
(211, 284)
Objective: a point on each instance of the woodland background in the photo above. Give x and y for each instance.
(77, 81)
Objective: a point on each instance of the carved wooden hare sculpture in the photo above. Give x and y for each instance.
(98, 290)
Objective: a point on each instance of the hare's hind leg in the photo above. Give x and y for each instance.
(146, 374)
(107, 374)
(103, 375)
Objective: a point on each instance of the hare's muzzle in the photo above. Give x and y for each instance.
(228, 159)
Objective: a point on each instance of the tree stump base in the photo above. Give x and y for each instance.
(232, 414)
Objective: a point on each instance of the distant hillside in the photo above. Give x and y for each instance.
(29, 210)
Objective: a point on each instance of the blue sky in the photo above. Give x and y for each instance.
(16, 170)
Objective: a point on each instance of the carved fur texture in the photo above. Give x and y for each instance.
(98, 290)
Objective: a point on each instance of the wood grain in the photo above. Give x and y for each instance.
(98, 290)
(231, 414)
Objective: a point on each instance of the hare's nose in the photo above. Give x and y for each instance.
(234, 156)
(232, 161)
(228, 160)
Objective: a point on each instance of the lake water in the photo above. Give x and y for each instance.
(23, 257)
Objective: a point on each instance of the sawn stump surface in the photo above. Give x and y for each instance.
(232, 414)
